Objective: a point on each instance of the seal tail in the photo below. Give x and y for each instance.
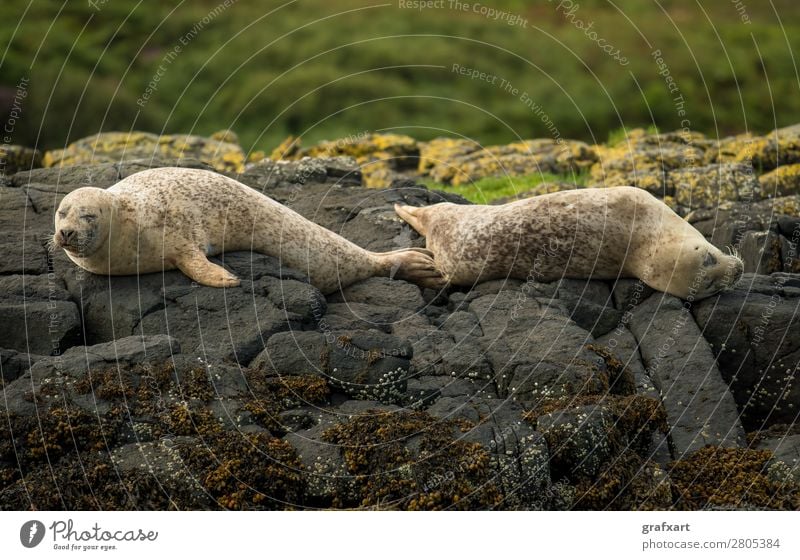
(414, 265)
(413, 216)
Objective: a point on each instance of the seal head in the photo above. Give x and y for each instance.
(83, 221)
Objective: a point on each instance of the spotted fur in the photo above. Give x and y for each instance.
(167, 218)
(586, 233)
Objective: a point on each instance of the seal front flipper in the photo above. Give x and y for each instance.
(197, 267)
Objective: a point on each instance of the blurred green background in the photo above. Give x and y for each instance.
(324, 69)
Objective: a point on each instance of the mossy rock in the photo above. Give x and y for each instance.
(626, 483)
(200, 449)
(443, 151)
(726, 149)
(730, 478)
(641, 163)
(768, 152)
(225, 135)
(782, 181)
(288, 149)
(382, 157)
(413, 461)
(599, 444)
(15, 158)
(707, 186)
(459, 162)
(114, 147)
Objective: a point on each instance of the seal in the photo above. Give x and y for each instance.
(600, 233)
(167, 218)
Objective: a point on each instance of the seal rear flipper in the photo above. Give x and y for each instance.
(413, 216)
(197, 267)
(414, 265)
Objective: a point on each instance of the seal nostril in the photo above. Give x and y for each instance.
(66, 234)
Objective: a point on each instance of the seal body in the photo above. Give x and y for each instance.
(605, 233)
(167, 218)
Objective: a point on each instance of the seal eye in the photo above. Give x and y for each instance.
(88, 217)
(710, 260)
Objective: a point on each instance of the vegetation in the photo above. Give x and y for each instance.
(332, 69)
(489, 189)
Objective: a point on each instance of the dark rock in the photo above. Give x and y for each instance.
(753, 331)
(15, 158)
(731, 224)
(62, 180)
(232, 323)
(382, 292)
(436, 351)
(13, 364)
(578, 440)
(786, 448)
(327, 478)
(790, 256)
(789, 226)
(363, 364)
(293, 353)
(589, 304)
(534, 350)
(38, 317)
(700, 409)
(519, 454)
(58, 373)
(628, 293)
(761, 252)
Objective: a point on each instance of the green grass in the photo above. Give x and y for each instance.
(489, 189)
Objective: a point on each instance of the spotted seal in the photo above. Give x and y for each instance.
(601, 233)
(167, 218)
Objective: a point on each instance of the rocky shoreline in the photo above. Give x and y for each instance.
(154, 393)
